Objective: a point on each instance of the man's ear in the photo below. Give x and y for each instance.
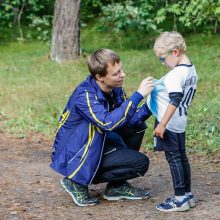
(99, 78)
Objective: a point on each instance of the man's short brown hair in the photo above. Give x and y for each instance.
(99, 60)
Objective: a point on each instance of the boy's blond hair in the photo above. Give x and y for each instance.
(166, 42)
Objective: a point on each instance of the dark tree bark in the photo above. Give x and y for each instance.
(66, 31)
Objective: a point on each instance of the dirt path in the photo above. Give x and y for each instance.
(29, 189)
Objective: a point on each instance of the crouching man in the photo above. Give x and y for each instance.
(100, 132)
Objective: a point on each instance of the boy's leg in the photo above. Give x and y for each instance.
(185, 162)
(186, 171)
(187, 178)
(180, 201)
(174, 160)
(171, 144)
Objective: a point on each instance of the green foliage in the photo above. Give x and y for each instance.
(17, 13)
(150, 15)
(201, 14)
(89, 9)
(32, 19)
(191, 15)
(40, 27)
(126, 15)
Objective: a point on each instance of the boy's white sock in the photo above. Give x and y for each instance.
(180, 198)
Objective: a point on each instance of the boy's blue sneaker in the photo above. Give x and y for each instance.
(79, 193)
(173, 205)
(190, 198)
(191, 201)
(125, 191)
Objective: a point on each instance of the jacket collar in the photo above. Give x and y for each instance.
(99, 92)
(97, 88)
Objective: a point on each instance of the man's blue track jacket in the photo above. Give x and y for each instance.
(82, 128)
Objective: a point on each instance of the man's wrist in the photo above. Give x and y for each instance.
(136, 98)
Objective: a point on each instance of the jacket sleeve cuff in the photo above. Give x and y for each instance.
(136, 98)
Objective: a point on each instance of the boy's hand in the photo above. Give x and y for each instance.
(159, 130)
(146, 86)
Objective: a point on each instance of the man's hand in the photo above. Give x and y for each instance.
(146, 86)
(159, 130)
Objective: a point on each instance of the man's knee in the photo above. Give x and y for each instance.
(143, 164)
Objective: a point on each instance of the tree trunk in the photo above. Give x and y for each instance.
(66, 31)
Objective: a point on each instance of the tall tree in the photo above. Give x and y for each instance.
(66, 31)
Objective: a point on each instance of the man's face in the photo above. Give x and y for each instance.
(114, 78)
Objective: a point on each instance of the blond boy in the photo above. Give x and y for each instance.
(169, 102)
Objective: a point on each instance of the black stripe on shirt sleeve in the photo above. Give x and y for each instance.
(175, 98)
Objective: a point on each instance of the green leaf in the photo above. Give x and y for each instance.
(217, 10)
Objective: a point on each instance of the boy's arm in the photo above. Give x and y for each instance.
(161, 127)
(175, 99)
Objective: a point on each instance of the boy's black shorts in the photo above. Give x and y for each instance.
(172, 141)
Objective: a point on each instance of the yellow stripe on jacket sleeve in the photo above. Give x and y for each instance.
(140, 107)
(92, 113)
(99, 130)
(126, 112)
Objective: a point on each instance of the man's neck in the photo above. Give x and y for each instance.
(103, 87)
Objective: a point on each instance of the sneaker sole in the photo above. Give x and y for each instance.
(184, 208)
(191, 203)
(75, 201)
(116, 198)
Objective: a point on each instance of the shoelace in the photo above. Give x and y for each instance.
(82, 192)
(129, 188)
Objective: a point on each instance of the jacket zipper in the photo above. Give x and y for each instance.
(114, 149)
(75, 155)
(140, 131)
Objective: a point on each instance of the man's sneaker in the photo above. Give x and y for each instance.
(79, 193)
(190, 198)
(125, 191)
(173, 205)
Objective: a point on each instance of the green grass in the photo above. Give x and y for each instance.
(34, 90)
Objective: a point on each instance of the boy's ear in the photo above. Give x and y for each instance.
(176, 52)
